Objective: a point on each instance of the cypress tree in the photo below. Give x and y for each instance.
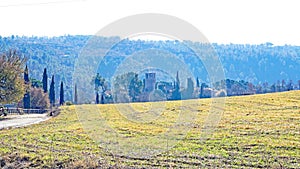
(75, 95)
(61, 96)
(52, 92)
(176, 95)
(26, 98)
(26, 75)
(102, 98)
(177, 87)
(97, 98)
(45, 81)
(197, 83)
(203, 85)
(190, 88)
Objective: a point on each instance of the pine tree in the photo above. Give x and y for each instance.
(52, 92)
(61, 96)
(75, 95)
(45, 81)
(26, 98)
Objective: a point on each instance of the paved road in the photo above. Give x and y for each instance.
(22, 120)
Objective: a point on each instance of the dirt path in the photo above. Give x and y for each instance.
(22, 120)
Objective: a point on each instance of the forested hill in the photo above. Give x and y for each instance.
(253, 63)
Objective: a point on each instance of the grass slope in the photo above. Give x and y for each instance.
(259, 131)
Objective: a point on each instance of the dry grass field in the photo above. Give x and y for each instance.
(258, 131)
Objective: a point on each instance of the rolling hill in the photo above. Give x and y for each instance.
(255, 63)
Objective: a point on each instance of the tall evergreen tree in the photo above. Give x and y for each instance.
(45, 81)
(61, 94)
(197, 83)
(177, 82)
(203, 85)
(201, 91)
(26, 98)
(290, 86)
(283, 87)
(190, 88)
(99, 82)
(97, 98)
(102, 98)
(273, 88)
(75, 95)
(26, 75)
(52, 92)
(176, 95)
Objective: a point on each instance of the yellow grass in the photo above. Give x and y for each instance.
(259, 131)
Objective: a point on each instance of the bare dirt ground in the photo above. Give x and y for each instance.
(12, 121)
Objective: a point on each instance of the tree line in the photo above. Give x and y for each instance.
(26, 92)
(255, 63)
(32, 93)
(128, 87)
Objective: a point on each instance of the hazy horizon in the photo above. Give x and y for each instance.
(147, 39)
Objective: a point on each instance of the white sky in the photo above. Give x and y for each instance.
(222, 21)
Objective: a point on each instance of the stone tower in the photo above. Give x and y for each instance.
(150, 81)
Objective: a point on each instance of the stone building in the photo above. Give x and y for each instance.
(149, 82)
